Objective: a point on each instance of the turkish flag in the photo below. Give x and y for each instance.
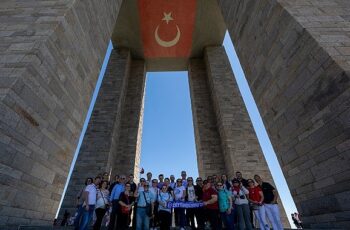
(167, 27)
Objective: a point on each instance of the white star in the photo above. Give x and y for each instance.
(167, 17)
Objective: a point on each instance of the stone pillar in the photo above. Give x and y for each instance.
(240, 147)
(225, 139)
(129, 144)
(295, 55)
(208, 143)
(99, 146)
(51, 53)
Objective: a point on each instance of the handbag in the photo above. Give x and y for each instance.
(254, 206)
(125, 209)
(148, 206)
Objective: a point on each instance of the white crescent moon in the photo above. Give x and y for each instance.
(167, 43)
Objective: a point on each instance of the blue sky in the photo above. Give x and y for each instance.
(168, 144)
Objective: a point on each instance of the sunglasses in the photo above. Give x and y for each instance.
(219, 185)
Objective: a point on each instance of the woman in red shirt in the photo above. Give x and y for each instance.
(211, 207)
(256, 198)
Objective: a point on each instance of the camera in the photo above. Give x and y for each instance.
(242, 197)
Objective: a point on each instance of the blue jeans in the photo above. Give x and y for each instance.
(78, 216)
(228, 219)
(142, 220)
(86, 217)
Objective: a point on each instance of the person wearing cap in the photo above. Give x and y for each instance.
(144, 198)
(256, 198)
(211, 207)
(240, 193)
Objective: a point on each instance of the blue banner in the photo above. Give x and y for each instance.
(184, 204)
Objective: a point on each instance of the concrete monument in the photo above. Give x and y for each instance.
(295, 54)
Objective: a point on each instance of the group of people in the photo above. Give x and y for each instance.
(216, 202)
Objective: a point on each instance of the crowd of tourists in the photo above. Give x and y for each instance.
(213, 203)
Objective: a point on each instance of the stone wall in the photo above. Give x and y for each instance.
(241, 149)
(127, 159)
(295, 57)
(50, 57)
(99, 147)
(208, 145)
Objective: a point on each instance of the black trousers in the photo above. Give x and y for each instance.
(134, 217)
(113, 216)
(212, 215)
(155, 220)
(164, 220)
(123, 221)
(199, 214)
(100, 212)
(190, 217)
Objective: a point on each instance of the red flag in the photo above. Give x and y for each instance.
(167, 27)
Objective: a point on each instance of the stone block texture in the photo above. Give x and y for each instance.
(225, 139)
(295, 57)
(51, 53)
(106, 128)
(208, 144)
(127, 158)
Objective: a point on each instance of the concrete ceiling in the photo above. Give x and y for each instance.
(209, 30)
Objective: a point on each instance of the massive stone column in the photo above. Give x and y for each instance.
(225, 139)
(129, 144)
(99, 147)
(295, 55)
(240, 145)
(51, 53)
(208, 144)
(241, 149)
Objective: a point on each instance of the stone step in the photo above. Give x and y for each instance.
(57, 228)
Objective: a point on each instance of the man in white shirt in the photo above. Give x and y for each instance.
(89, 195)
